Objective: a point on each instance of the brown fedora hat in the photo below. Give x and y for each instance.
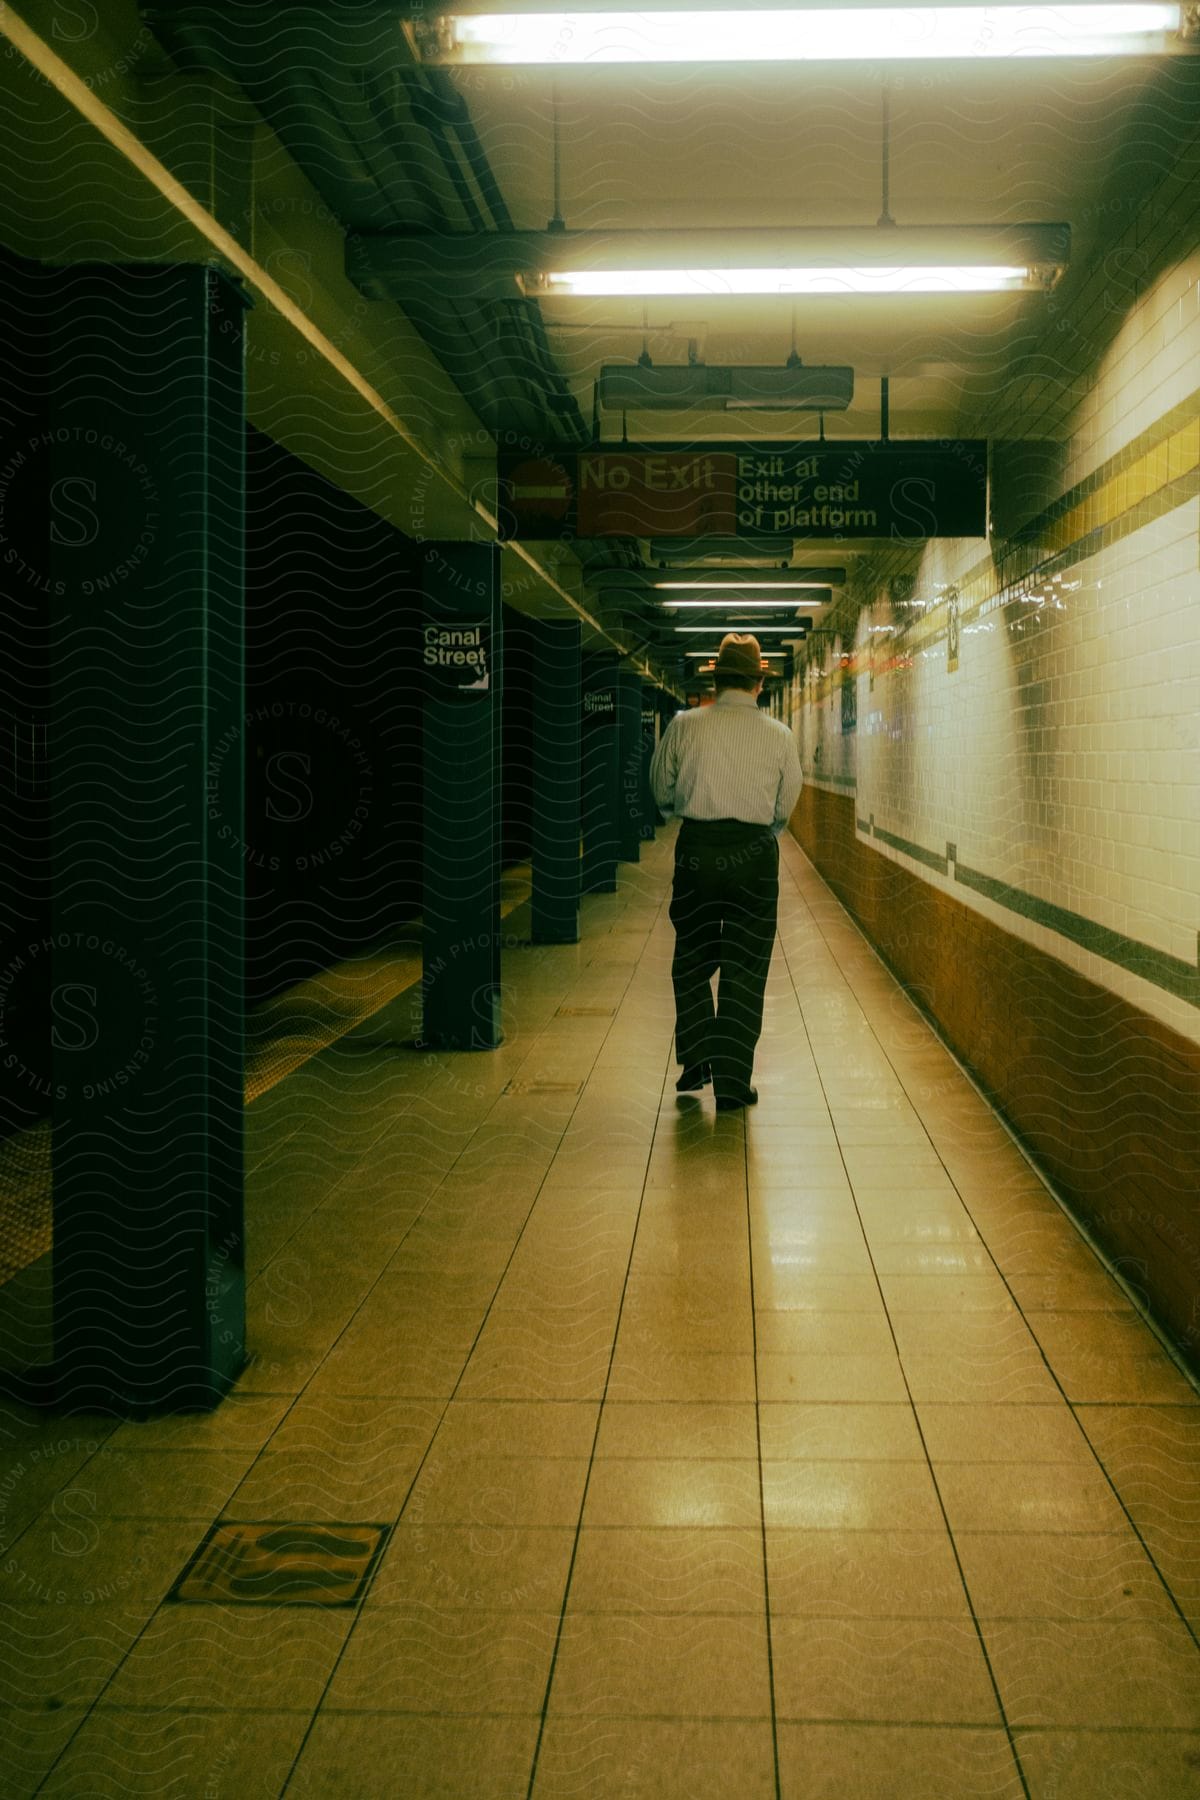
(739, 655)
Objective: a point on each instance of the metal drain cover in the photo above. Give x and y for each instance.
(281, 1563)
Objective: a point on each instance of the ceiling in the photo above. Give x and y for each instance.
(1080, 141)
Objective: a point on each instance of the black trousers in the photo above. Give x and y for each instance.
(723, 907)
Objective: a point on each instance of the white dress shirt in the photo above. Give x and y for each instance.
(729, 760)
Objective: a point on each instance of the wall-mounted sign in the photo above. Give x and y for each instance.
(902, 490)
(600, 705)
(455, 657)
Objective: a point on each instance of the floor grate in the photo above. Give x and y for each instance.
(281, 1563)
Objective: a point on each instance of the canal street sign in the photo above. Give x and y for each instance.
(903, 490)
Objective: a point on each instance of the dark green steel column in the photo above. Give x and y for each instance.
(463, 616)
(629, 749)
(147, 445)
(650, 813)
(601, 800)
(556, 782)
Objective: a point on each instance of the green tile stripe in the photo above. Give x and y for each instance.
(1171, 973)
(1168, 972)
(918, 852)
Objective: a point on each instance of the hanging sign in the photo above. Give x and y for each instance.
(456, 657)
(903, 490)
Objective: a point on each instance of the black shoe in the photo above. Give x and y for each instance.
(694, 1077)
(735, 1102)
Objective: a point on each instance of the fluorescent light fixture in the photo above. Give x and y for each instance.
(812, 262)
(606, 284)
(817, 34)
(747, 602)
(768, 655)
(734, 586)
(795, 629)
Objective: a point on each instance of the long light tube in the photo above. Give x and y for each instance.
(826, 34)
(708, 587)
(749, 601)
(585, 284)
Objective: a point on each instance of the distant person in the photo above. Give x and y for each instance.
(731, 772)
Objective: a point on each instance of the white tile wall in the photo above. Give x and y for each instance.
(1063, 756)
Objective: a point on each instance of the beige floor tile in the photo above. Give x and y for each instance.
(1020, 1497)
(655, 1759)
(953, 1260)
(373, 1364)
(532, 1356)
(825, 1334)
(647, 1332)
(864, 1574)
(494, 1568)
(1145, 1380)
(445, 1659)
(1018, 1377)
(33, 1742)
(839, 1254)
(777, 1288)
(71, 1558)
(903, 1671)
(949, 1224)
(61, 1656)
(1131, 1672)
(1062, 1575)
(896, 1762)
(533, 1428)
(232, 1657)
(318, 1484)
(1120, 1765)
(1090, 1291)
(677, 1429)
(687, 1296)
(839, 1432)
(672, 1665)
(644, 1492)
(1176, 1553)
(240, 1422)
(360, 1756)
(497, 1490)
(669, 1570)
(978, 1433)
(165, 1484)
(876, 1379)
(652, 1375)
(945, 1295)
(850, 1496)
(121, 1752)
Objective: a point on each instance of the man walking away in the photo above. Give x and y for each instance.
(732, 774)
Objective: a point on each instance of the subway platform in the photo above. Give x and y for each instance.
(807, 1452)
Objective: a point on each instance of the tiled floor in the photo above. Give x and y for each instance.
(805, 1453)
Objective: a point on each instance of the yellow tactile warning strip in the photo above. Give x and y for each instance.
(279, 1563)
(281, 1035)
(298, 1025)
(24, 1199)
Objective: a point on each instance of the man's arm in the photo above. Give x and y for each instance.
(791, 780)
(664, 767)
